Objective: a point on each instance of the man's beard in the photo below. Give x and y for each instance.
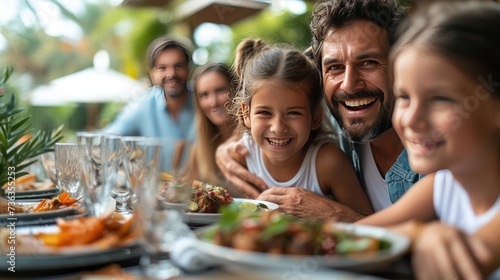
(357, 131)
(173, 92)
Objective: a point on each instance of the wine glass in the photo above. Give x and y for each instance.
(92, 149)
(48, 162)
(100, 169)
(160, 226)
(123, 190)
(67, 165)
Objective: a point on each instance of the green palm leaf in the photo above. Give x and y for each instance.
(15, 153)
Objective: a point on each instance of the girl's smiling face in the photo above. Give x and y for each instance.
(280, 120)
(445, 119)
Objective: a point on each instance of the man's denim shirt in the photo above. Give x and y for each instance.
(399, 178)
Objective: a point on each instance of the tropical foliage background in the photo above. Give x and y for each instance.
(29, 42)
(20, 145)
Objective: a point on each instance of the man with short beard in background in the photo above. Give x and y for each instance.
(166, 109)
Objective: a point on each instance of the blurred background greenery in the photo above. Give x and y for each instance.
(48, 39)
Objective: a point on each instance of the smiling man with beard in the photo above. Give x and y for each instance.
(166, 109)
(351, 42)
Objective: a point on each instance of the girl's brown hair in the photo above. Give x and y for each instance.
(257, 62)
(466, 33)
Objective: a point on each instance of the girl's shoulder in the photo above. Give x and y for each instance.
(327, 144)
(323, 140)
(330, 154)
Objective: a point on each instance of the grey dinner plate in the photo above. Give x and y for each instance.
(23, 219)
(53, 264)
(48, 193)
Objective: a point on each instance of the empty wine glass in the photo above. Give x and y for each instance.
(123, 191)
(67, 164)
(104, 164)
(92, 146)
(48, 162)
(160, 226)
(121, 188)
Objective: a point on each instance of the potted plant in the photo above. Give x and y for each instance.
(20, 145)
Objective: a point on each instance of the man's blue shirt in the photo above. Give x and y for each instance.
(148, 117)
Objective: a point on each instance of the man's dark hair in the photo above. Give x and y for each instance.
(161, 44)
(332, 14)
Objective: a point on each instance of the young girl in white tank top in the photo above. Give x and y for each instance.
(447, 113)
(279, 105)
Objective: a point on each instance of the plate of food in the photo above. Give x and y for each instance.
(30, 187)
(37, 194)
(23, 210)
(81, 242)
(207, 199)
(272, 240)
(243, 204)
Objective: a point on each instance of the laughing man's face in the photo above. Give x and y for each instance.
(356, 82)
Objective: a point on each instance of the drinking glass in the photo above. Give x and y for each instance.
(100, 171)
(48, 161)
(121, 187)
(125, 190)
(160, 226)
(92, 143)
(68, 166)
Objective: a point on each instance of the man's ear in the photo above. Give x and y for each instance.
(245, 109)
(317, 119)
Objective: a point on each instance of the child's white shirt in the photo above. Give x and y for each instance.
(305, 178)
(453, 207)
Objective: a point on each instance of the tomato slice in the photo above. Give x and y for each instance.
(66, 199)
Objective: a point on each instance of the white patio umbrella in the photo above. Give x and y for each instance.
(97, 84)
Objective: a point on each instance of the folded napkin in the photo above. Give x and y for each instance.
(185, 254)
